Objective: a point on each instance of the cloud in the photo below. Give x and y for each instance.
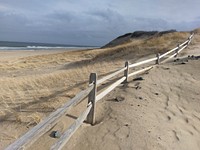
(91, 22)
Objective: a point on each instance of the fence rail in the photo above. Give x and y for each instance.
(109, 89)
(110, 76)
(36, 132)
(174, 54)
(140, 71)
(66, 136)
(91, 92)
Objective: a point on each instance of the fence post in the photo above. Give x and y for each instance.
(92, 99)
(177, 50)
(189, 40)
(158, 58)
(126, 71)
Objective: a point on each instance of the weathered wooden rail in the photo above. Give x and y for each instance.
(91, 92)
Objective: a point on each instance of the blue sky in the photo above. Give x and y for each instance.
(92, 22)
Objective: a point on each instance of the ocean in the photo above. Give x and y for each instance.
(5, 45)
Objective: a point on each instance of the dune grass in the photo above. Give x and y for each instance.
(41, 84)
(44, 92)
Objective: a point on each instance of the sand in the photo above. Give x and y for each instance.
(17, 54)
(34, 84)
(157, 113)
(163, 113)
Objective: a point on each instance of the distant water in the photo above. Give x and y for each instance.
(4, 45)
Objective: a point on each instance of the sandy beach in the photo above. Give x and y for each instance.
(160, 112)
(17, 54)
(163, 113)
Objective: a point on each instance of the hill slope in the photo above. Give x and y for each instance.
(128, 37)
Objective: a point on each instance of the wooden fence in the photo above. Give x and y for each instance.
(93, 97)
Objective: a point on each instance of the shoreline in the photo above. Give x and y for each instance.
(6, 55)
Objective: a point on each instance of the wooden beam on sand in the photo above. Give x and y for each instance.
(110, 76)
(184, 43)
(170, 57)
(71, 130)
(140, 71)
(110, 88)
(32, 135)
(142, 62)
(177, 48)
(170, 51)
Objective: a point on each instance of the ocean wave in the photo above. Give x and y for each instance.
(11, 48)
(39, 48)
(44, 47)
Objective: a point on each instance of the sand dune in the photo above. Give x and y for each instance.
(160, 112)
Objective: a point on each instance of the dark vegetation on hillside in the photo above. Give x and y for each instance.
(135, 35)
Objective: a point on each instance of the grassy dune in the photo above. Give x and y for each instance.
(32, 87)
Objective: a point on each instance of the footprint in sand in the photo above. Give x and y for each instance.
(176, 135)
(123, 132)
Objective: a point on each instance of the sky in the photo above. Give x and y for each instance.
(92, 22)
